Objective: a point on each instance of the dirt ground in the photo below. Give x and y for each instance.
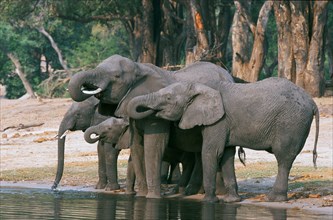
(28, 144)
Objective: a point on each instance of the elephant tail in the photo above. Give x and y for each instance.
(241, 155)
(314, 152)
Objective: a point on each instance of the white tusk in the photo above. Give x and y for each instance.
(91, 92)
(64, 134)
(94, 136)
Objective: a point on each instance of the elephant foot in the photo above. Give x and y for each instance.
(100, 185)
(192, 189)
(130, 192)
(228, 198)
(112, 186)
(152, 195)
(181, 190)
(276, 197)
(141, 194)
(211, 199)
(221, 191)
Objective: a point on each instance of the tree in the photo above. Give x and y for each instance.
(21, 74)
(247, 64)
(301, 26)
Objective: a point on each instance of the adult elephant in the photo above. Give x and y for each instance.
(117, 80)
(80, 116)
(273, 115)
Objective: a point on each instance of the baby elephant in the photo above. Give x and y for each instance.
(273, 115)
(117, 132)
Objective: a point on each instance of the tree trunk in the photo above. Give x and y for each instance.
(286, 67)
(245, 67)
(329, 49)
(222, 33)
(314, 81)
(190, 37)
(21, 74)
(150, 31)
(300, 38)
(55, 47)
(172, 34)
(202, 45)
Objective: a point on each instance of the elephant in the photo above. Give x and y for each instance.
(80, 116)
(273, 115)
(117, 80)
(115, 131)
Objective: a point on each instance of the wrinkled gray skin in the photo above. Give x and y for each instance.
(115, 131)
(117, 80)
(273, 115)
(80, 116)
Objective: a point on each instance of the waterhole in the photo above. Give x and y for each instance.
(22, 203)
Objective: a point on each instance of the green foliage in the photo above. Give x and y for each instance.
(101, 44)
(24, 43)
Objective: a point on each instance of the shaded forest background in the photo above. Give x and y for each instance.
(44, 42)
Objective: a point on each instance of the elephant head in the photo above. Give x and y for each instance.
(110, 131)
(116, 70)
(78, 117)
(109, 81)
(191, 103)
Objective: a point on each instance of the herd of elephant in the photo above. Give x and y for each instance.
(195, 116)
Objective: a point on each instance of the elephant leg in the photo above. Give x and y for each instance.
(188, 162)
(130, 177)
(102, 179)
(164, 172)
(111, 160)
(280, 188)
(220, 187)
(229, 177)
(195, 182)
(175, 173)
(156, 136)
(137, 155)
(214, 139)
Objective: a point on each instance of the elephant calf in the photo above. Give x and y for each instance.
(115, 131)
(273, 115)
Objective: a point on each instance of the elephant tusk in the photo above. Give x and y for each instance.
(94, 136)
(91, 92)
(64, 134)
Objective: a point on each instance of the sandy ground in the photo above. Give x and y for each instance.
(36, 146)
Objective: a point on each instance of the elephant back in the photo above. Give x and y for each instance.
(206, 73)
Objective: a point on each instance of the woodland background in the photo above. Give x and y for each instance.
(44, 42)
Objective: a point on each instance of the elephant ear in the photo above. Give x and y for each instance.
(205, 108)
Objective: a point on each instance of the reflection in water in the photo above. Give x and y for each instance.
(44, 204)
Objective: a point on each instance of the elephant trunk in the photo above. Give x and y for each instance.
(137, 107)
(88, 135)
(83, 85)
(61, 154)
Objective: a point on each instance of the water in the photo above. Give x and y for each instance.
(20, 203)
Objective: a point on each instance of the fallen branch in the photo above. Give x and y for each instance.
(22, 126)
